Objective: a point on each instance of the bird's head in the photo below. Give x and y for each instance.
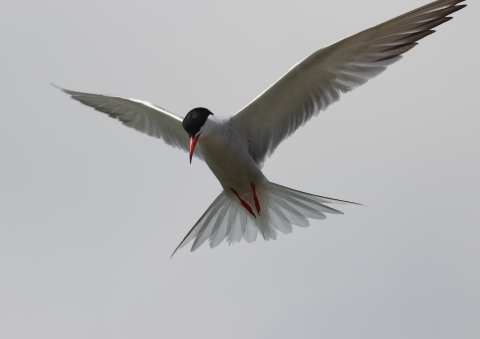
(193, 123)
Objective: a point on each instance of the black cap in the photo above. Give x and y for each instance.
(195, 119)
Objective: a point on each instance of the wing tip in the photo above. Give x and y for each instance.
(60, 88)
(174, 252)
(71, 93)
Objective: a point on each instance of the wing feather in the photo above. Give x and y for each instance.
(317, 82)
(140, 115)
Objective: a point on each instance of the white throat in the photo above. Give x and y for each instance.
(209, 126)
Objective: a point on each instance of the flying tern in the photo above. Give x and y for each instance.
(236, 147)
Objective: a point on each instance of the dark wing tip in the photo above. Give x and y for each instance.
(60, 88)
(63, 89)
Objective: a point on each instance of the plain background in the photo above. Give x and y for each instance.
(90, 210)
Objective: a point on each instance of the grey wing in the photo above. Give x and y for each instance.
(140, 115)
(316, 82)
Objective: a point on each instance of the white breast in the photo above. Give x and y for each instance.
(227, 156)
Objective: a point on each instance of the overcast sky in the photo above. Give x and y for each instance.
(90, 210)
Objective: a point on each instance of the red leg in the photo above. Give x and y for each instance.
(244, 203)
(257, 204)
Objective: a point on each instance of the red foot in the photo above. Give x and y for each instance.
(244, 203)
(257, 204)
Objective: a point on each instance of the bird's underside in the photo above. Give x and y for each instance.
(236, 147)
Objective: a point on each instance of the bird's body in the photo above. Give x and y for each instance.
(226, 154)
(236, 147)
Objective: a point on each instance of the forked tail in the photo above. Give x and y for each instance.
(227, 218)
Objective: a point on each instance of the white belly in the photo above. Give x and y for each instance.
(231, 163)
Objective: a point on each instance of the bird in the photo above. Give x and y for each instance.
(235, 147)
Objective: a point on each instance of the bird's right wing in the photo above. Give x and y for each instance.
(141, 115)
(317, 82)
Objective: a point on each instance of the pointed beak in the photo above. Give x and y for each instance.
(193, 142)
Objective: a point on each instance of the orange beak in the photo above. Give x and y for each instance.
(193, 142)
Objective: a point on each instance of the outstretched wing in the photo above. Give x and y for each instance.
(141, 115)
(316, 82)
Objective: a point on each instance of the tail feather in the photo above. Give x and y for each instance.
(284, 225)
(291, 214)
(210, 229)
(282, 207)
(251, 231)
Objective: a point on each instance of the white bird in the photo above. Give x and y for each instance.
(236, 147)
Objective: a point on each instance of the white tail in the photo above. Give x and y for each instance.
(227, 218)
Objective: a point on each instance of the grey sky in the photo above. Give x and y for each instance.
(90, 210)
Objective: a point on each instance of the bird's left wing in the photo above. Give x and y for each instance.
(141, 115)
(317, 82)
